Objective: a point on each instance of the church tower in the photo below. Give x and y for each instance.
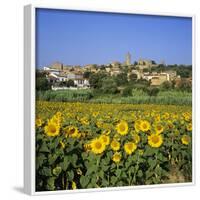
(128, 59)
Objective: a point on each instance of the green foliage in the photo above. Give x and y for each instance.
(109, 86)
(167, 85)
(96, 80)
(152, 91)
(42, 84)
(127, 91)
(121, 79)
(64, 95)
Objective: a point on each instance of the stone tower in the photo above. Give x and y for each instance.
(128, 59)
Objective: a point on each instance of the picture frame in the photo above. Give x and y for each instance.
(30, 49)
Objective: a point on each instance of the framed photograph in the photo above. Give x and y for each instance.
(109, 100)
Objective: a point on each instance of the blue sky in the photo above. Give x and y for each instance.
(79, 38)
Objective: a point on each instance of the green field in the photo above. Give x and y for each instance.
(171, 97)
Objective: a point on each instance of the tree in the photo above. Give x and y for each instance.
(86, 74)
(127, 91)
(95, 79)
(153, 62)
(167, 85)
(121, 79)
(70, 83)
(151, 91)
(185, 86)
(109, 86)
(42, 84)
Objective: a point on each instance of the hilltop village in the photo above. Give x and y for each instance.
(78, 76)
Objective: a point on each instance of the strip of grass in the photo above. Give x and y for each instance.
(171, 97)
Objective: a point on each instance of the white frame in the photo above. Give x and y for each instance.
(29, 98)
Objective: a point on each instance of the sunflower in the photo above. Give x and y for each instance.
(144, 126)
(159, 128)
(74, 185)
(115, 145)
(155, 140)
(84, 121)
(52, 129)
(116, 157)
(137, 125)
(87, 147)
(122, 127)
(189, 127)
(130, 147)
(136, 138)
(72, 131)
(38, 122)
(105, 139)
(185, 139)
(97, 146)
(95, 114)
(56, 119)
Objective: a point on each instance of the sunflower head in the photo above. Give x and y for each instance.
(159, 128)
(87, 147)
(97, 146)
(155, 140)
(144, 126)
(105, 139)
(38, 122)
(136, 138)
(189, 127)
(56, 119)
(122, 127)
(116, 157)
(52, 129)
(185, 139)
(72, 131)
(115, 145)
(130, 147)
(137, 125)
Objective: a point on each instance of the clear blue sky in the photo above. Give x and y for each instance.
(79, 38)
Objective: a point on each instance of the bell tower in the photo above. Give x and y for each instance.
(128, 59)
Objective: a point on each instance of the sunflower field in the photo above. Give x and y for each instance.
(85, 145)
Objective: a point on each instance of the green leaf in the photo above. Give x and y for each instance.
(52, 158)
(64, 165)
(149, 174)
(149, 151)
(152, 163)
(118, 172)
(91, 169)
(45, 171)
(44, 148)
(50, 183)
(57, 170)
(40, 160)
(70, 175)
(84, 155)
(74, 159)
(104, 167)
(113, 180)
(105, 183)
(140, 173)
(101, 174)
(84, 180)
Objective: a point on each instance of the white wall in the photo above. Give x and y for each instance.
(11, 117)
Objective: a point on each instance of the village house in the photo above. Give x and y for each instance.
(56, 76)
